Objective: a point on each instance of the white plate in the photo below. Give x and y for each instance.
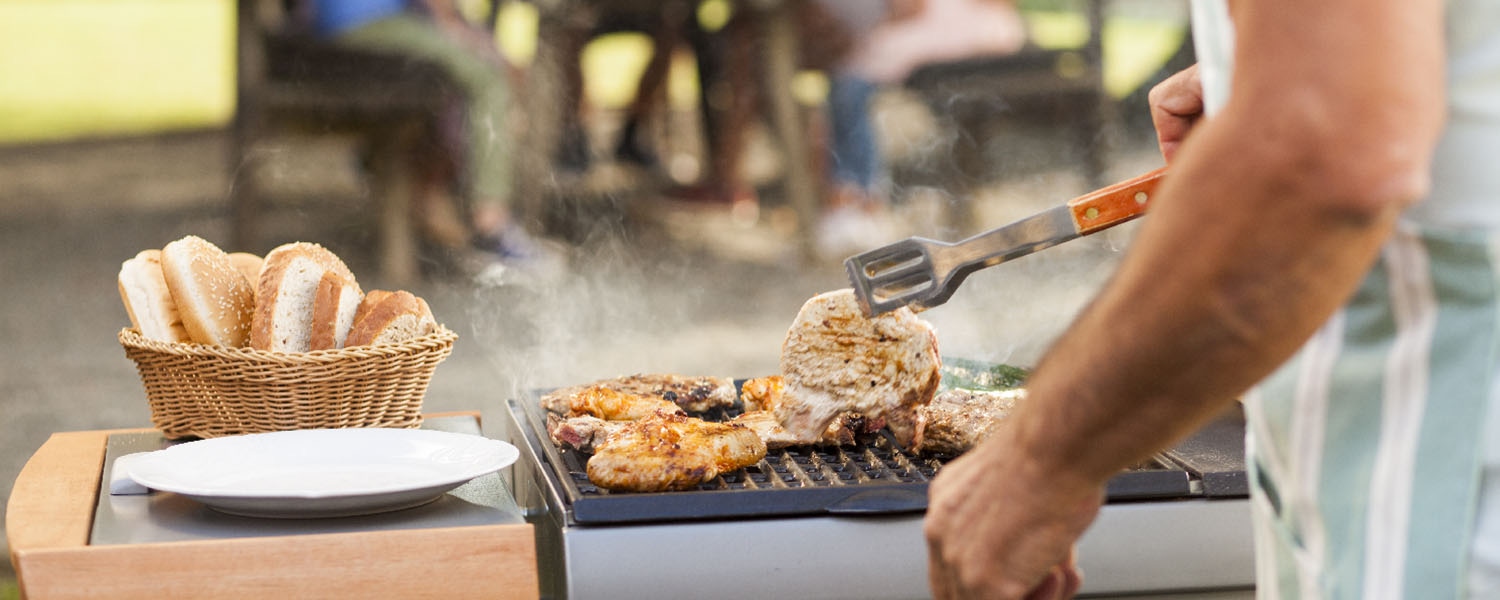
(320, 472)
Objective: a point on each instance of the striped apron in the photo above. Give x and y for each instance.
(1374, 454)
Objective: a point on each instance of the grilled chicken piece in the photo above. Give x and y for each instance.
(583, 433)
(693, 394)
(835, 360)
(957, 420)
(762, 393)
(671, 452)
(615, 405)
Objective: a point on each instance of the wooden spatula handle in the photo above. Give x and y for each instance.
(1115, 204)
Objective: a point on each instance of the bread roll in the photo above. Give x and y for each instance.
(248, 265)
(286, 292)
(147, 299)
(214, 300)
(397, 317)
(333, 310)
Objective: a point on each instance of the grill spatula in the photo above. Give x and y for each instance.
(923, 273)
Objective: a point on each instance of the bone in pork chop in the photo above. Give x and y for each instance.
(835, 361)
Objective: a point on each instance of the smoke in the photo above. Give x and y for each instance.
(627, 307)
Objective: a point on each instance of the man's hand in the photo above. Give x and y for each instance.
(997, 527)
(1176, 105)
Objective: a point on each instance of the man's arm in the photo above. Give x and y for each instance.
(1272, 213)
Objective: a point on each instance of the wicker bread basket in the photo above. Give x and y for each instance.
(212, 391)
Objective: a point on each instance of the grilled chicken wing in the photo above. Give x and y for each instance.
(693, 394)
(671, 452)
(957, 420)
(835, 361)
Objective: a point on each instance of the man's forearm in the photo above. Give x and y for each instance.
(1271, 215)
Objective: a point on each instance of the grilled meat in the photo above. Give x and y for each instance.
(957, 420)
(671, 452)
(692, 394)
(762, 395)
(582, 433)
(835, 360)
(614, 405)
(764, 423)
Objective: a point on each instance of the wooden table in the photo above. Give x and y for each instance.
(49, 520)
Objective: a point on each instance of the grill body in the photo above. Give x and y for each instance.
(1178, 525)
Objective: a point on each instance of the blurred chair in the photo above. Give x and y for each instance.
(289, 80)
(974, 98)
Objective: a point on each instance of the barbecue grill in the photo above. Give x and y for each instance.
(846, 522)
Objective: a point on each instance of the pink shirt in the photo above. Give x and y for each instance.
(945, 30)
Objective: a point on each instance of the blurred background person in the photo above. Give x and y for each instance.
(473, 168)
(890, 39)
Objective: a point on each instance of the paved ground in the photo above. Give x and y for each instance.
(691, 292)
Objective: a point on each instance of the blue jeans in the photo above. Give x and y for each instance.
(855, 156)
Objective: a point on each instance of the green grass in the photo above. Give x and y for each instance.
(8, 590)
(75, 68)
(92, 68)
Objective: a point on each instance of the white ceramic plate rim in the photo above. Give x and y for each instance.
(424, 459)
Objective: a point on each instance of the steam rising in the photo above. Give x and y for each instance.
(624, 310)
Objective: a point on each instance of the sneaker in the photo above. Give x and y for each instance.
(514, 255)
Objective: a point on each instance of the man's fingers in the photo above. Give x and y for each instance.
(1176, 104)
(938, 576)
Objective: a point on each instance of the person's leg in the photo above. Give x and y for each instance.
(667, 30)
(855, 159)
(487, 160)
(573, 152)
(736, 96)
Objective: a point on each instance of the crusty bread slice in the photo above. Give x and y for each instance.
(248, 265)
(284, 305)
(149, 303)
(286, 292)
(214, 300)
(333, 310)
(396, 317)
(835, 360)
(323, 256)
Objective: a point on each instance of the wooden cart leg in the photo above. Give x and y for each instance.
(393, 188)
(780, 67)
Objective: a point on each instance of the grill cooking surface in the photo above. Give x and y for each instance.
(870, 477)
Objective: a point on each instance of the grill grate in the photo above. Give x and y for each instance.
(872, 476)
(873, 460)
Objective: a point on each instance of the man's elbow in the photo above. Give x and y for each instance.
(1358, 163)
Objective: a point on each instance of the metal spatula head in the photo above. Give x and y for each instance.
(920, 273)
(897, 275)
